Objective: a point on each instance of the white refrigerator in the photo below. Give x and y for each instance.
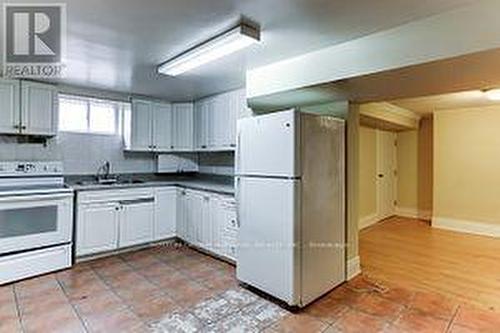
(290, 192)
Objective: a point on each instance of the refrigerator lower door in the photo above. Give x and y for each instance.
(268, 258)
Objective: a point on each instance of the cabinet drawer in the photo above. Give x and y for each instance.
(114, 195)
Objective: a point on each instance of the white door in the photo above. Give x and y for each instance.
(269, 145)
(10, 117)
(97, 228)
(386, 171)
(39, 109)
(269, 217)
(162, 127)
(141, 129)
(183, 126)
(136, 222)
(165, 213)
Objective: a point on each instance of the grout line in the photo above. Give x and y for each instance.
(18, 308)
(72, 305)
(452, 320)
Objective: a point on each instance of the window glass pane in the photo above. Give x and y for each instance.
(102, 118)
(72, 115)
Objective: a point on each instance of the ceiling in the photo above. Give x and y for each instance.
(428, 104)
(116, 44)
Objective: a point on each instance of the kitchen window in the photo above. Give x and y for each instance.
(90, 115)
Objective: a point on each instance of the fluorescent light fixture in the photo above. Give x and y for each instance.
(492, 94)
(215, 48)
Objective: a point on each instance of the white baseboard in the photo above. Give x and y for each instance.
(367, 221)
(464, 226)
(413, 213)
(353, 268)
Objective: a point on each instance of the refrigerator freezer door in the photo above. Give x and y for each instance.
(268, 145)
(269, 223)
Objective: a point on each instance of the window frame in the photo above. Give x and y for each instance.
(118, 108)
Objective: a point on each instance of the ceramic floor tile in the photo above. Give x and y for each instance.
(240, 297)
(235, 323)
(326, 309)
(476, 319)
(59, 319)
(415, 321)
(178, 322)
(114, 321)
(96, 304)
(299, 323)
(353, 321)
(213, 309)
(434, 305)
(263, 313)
(152, 308)
(378, 306)
(9, 319)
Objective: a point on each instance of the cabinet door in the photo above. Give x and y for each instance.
(182, 209)
(183, 139)
(194, 217)
(165, 213)
(10, 117)
(202, 124)
(39, 109)
(97, 228)
(162, 127)
(141, 129)
(216, 129)
(136, 223)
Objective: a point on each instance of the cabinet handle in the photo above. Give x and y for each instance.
(23, 127)
(17, 126)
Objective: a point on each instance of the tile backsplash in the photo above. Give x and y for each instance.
(82, 154)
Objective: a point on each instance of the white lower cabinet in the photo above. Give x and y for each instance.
(209, 222)
(136, 222)
(97, 228)
(166, 212)
(112, 219)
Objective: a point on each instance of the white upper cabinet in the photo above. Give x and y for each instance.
(162, 127)
(203, 110)
(28, 108)
(215, 120)
(183, 123)
(39, 109)
(141, 127)
(151, 126)
(10, 118)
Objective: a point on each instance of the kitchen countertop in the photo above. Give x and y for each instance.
(212, 183)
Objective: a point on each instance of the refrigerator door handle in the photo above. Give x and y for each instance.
(237, 192)
(238, 151)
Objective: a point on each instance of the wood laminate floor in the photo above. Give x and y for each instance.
(410, 252)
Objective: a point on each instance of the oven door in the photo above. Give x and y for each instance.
(35, 221)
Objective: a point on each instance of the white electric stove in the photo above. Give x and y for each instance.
(36, 220)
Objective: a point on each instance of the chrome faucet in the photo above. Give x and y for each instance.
(103, 172)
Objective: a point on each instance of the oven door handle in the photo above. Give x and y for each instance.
(29, 197)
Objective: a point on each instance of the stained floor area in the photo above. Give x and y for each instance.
(176, 289)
